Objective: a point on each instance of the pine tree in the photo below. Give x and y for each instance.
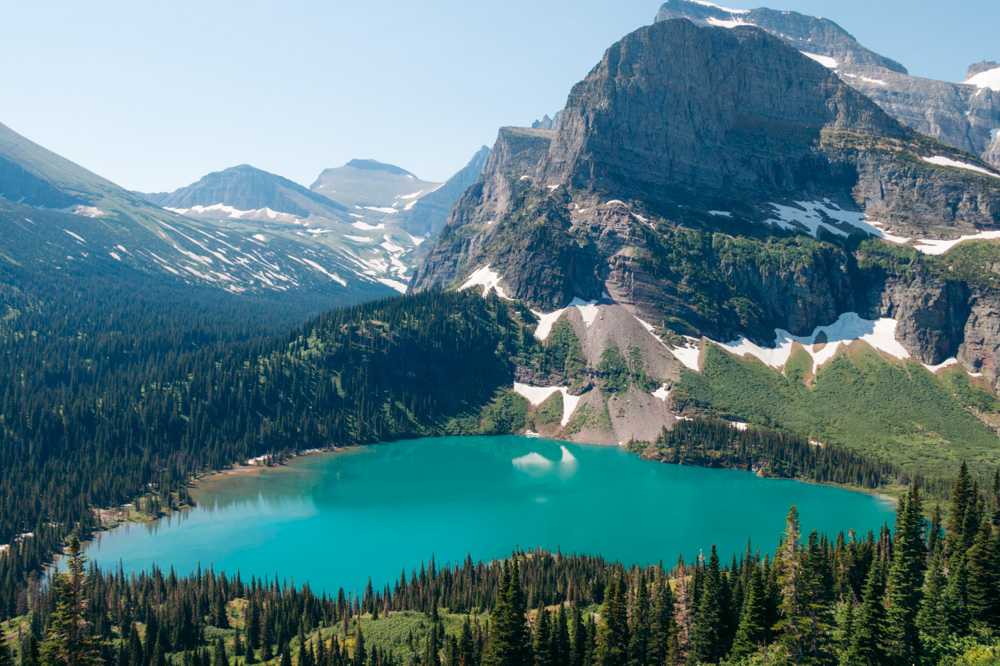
(577, 640)
(360, 655)
(640, 632)
(542, 643)
(6, 659)
(800, 627)
(961, 498)
(867, 647)
(682, 610)
(663, 647)
(220, 658)
(956, 610)
(931, 617)
(905, 581)
(508, 640)
(709, 643)
(560, 638)
(752, 631)
(466, 646)
(612, 633)
(983, 568)
(67, 641)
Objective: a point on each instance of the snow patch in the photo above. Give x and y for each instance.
(662, 393)
(942, 246)
(878, 82)
(812, 215)
(364, 226)
(941, 366)
(536, 395)
(382, 209)
(988, 79)
(940, 160)
(74, 235)
(260, 237)
(395, 284)
(826, 61)
(115, 256)
(705, 3)
(488, 280)
(720, 213)
(725, 23)
(360, 239)
(588, 310)
(849, 327)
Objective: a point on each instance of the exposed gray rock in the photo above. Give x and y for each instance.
(430, 212)
(960, 115)
(980, 67)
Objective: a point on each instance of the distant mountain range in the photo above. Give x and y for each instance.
(965, 115)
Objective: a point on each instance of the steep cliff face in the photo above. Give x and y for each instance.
(959, 114)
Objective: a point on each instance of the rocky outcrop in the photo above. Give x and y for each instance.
(980, 67)
(961, 115)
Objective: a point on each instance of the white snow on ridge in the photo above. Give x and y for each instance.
(662, 393)
(995, 134)
(488, 280)
(826, 61)
(395, 284)
(725, 23)
(74, 235)
(988, 79)
(815, 214)
(359, 239)
(880, 334)
(940, 160)
(364, 226)
(588, 310)
(382, 209)
(536, 395)
(720, 213)
(878, 82)
(941, 246)
(260, 237)
(941, 366)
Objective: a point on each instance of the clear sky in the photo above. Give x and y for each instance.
(154, 94)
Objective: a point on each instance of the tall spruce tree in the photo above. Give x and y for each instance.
(868, 640)
(752, 631)
(983, 568)
(542, 642)
(663, 648)
(612, 633)
(904, 587)
(68, 641)
(508, 641)
(640, 632)
(710, 640)
(560, 638)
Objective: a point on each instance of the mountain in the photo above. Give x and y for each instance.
(962, 115)
(428, 214)
(373, 191)
(57, 216)
(253, 194)
(715, 204)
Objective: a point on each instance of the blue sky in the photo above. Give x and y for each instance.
(153, 95)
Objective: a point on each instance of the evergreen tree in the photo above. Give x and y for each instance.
(612, 633)
(709, 640)
(68, 641)
(867, 647)
(752, 631)
(542, 643)
(983, 569)
(560, 638)
(663, 648)
(931, 617)
(905, 581)
(360, 656)
(220, 658)
(682, 610)
(577, 640)
(961, 499)
(508, 640)
(466, 645)
(640, 632)
(6, 659)
(800, 627)
(956, 610)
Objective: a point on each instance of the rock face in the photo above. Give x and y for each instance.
(958, 114)
(247, 188)
(430, 212)
(688, 180)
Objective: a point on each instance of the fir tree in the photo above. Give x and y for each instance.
(709, 639)
(905, 581)
(640, 633)
(867, 647)
(6, 659)
(956, 610)
(560, 638)
(663, 647)
(508, 640)
(68, 641)
(220, 658)
(577, 639)
(983, 569)
(542, 642)
(752, 631)
(931, 617)
(612, 633)
(961, 498)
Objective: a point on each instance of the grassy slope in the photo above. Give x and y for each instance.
(897, 410)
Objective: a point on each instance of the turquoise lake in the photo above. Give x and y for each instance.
(333, 520)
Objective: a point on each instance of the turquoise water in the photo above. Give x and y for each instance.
(335, 520)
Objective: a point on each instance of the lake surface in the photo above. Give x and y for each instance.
(333, 520)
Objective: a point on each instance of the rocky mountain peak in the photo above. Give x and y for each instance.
(980, 67)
